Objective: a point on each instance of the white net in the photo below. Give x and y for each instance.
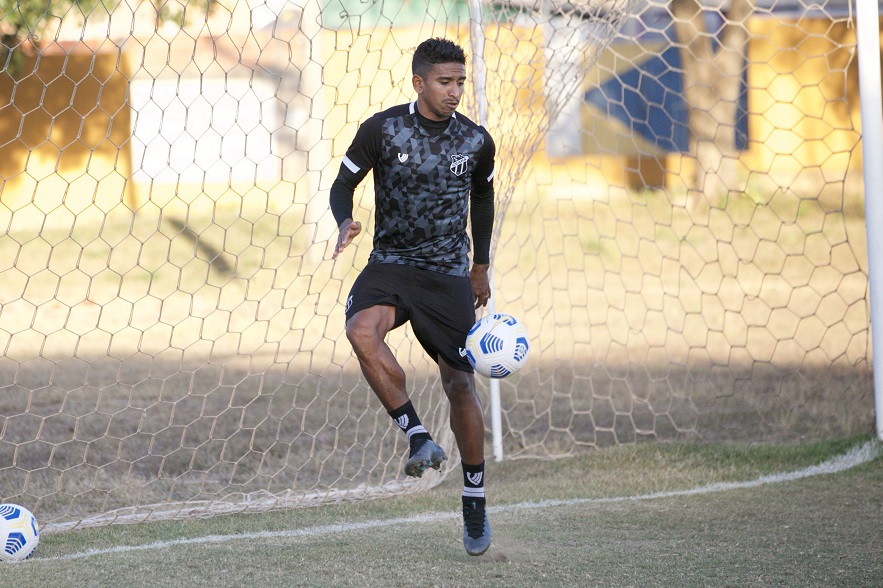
(680, 227)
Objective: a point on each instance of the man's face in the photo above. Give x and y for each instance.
(438, 94)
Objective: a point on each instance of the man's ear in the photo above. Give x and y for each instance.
(417, 82)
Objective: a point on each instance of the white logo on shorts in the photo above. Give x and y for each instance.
(349, 302)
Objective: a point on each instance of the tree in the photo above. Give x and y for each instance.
(712, 81)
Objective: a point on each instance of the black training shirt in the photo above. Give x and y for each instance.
(425, 175)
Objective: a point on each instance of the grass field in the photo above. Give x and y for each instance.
(589, 520)
(194, 351)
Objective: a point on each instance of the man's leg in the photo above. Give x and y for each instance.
(367, 331)
(467, 423)
(467, 419)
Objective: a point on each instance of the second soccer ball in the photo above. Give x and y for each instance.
(19, 533)
(497, 346)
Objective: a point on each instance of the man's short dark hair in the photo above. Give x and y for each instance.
(434, 51)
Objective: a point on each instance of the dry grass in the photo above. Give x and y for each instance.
(822, 531)
(196, 352)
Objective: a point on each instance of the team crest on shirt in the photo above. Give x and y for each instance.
(459, 164)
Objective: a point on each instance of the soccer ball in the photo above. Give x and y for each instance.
(19, 533)
(497, 346)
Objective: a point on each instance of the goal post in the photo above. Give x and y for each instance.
(479, 85)
(681, 227)
(868, 33)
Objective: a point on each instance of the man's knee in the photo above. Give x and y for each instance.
(459, 386)
(360, 334)
(367, 329)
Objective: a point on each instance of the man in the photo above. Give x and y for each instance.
(432, 168)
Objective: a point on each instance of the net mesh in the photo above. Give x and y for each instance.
(680, 227)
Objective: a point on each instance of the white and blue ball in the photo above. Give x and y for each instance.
(19, 533)
(497, 346)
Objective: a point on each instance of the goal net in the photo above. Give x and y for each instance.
(679, 225)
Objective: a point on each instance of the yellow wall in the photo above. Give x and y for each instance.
(804, 100)
(60, 146)
(64, 131)
(804, 119)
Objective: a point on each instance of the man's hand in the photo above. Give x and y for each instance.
(348, 231)
(481, 284)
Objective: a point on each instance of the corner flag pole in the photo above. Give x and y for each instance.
(476, 39)
(868, 38)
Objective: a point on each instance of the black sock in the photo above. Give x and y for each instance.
(473, 482)
(406, 418)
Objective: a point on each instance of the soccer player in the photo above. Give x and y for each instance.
(433, 167)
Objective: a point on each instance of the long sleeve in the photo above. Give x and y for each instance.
(481, 206)
(358, 161)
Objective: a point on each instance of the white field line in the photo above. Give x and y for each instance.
(854, 457)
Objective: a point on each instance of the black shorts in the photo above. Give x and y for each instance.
(441, 307)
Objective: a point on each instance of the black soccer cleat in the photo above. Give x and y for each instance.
(424, 456)
(476, 527)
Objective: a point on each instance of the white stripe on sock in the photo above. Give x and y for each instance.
(473, 492)
(413, 430)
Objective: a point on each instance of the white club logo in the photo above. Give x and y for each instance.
(474, 479)
(458, 164)
(403, 157)
(402, 421)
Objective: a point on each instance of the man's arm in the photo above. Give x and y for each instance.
(481, 202)
(341, 200)
(349, 229)
(481, 283)
(481, 216)
(358, 160)
(481, 212)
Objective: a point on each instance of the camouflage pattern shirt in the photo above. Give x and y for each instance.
(425, 173)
